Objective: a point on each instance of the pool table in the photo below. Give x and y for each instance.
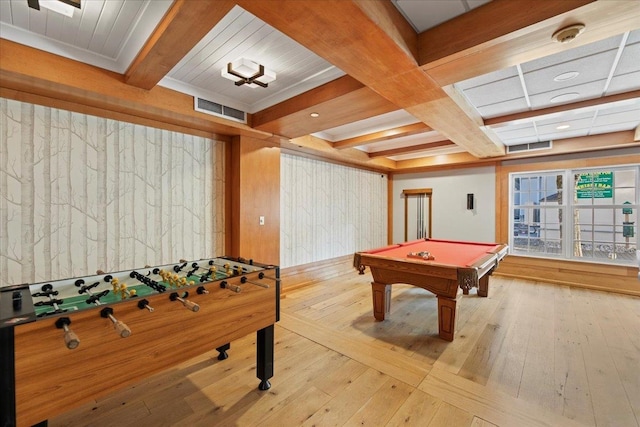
(439, 266)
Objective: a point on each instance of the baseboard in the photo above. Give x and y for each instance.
(601, 277)
(307, 274)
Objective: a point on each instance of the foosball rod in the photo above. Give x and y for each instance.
(261, 276)
(232, 288)
(185, 302)
(71, 340)
(120, 327)
(245, 280)
(143, 303)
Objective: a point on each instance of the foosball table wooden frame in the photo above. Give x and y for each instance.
(41, 377)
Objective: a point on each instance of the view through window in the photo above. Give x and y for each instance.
(587, 214)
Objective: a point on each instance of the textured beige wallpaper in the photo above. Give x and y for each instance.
(329, 210)
(80, 193)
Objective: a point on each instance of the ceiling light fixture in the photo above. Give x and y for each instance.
(566, 76)
(565, 97)
(244, 71)
(64, 7)
(563, 127)
(314, 115)
(568, 34)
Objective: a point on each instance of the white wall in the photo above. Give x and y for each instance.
(329, 210)
(451, 219)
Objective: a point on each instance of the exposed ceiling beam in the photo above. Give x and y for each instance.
(411, 149)
(337, 102)
(542, 112)
(504, 33)
(384, 135)
(183, 26)
(385, 62)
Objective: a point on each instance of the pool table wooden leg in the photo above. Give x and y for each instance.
(483, 286)
(446, 318)
(381, 300)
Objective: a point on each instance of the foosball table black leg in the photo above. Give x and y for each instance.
(264, 356)
(7, 378)
(223, 351)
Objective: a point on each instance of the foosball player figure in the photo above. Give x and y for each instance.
(205, 277)
(47, 291)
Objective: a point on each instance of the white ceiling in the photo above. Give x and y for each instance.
(110, 33)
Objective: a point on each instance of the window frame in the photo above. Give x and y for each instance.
(568, 206)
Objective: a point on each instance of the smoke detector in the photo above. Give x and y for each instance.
(567, 34)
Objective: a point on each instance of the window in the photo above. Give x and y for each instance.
(585, 214)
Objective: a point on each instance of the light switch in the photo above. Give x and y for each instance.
(261, 220)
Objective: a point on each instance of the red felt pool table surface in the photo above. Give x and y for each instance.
(464, 254)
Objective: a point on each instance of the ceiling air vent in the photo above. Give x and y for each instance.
(219, 110)
(544, 145)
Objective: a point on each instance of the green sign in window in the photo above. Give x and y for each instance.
(596, 185)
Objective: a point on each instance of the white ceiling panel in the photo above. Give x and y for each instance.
(591, 68)
(104, 33)
(428, 153)
(485, 79)
(557, 134)
(581, 125)
(371, 125)
(578, 93)
(435, 12)
(503, 108)
(241, 35)
(631, 116)
(629, 58)
(624, 83)
(405, 141)
(505, 90)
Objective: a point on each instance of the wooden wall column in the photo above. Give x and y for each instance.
(253, 191)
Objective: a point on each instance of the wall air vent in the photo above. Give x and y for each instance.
(215, 109)
(534, 146)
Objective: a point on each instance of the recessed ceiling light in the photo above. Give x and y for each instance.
(566, 76)
(565, 97)
(314, 115)
(563, 127)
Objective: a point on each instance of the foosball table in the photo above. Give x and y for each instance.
(67, 342)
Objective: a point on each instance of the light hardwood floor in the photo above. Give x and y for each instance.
(531, 354)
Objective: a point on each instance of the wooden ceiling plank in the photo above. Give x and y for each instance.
(183, 26)
(362, 44)
(411, 149)
(467, 47)
(384, 135)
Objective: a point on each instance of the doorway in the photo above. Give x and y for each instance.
(417, 213)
